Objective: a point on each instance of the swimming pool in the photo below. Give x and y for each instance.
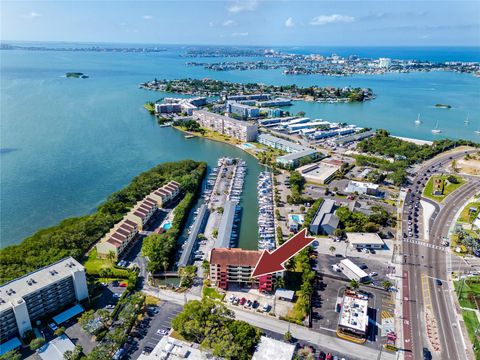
(297, 218)
(167, 225)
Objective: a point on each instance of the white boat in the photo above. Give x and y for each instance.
(418, 121)
(436, 130)
(467, 121)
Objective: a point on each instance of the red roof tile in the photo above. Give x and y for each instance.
(234, 256)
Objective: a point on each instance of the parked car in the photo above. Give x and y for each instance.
(322, 355)
(123, 284)
(243, 301)
(427, 355)
(266, 307)
(52, 326)
(438, 282)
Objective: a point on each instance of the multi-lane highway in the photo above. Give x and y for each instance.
(429, 318)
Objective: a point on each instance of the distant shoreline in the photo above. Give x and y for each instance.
(414, 141)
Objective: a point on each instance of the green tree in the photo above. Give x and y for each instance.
(288, 336)
(206, 267)
(36, 343)
(11, 355)
(59, 331)
(85, 318)
(215, 233)
(386, 284)
(354, 284)
(76, 354)
(111, 255)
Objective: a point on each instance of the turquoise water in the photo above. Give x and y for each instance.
(167, 226)
(68, 143)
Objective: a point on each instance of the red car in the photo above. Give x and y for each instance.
(243, 301)
(329, 356)
(123, 284)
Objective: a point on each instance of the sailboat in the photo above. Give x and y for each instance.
(436, 130)
(418, 121)
(477, 131)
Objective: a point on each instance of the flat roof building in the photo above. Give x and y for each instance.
(237, 129)
(362, 188)
(325, 221)
(235, 266)
(39, 294)
(320, 172)
(281, 144)
(169, 348)
(352, 271)
(365, 240)
(293, 160)
(242, 110)
(353, 319)
(269, 349)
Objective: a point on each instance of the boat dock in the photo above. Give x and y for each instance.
(189, 245)
(266, 212)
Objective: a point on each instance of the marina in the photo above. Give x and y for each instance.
(266, 220)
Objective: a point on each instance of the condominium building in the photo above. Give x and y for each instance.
(242, 110)
(235, 266)
(294, 159)
(122, 235)
(179, 105)
(280, 144)
(258, 97)
(275, 102)
(238, 129)
(39, 294)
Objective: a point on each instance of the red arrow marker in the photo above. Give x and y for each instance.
(271, 262)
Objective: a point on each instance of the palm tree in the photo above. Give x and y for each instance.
(111, 255)
(278, 283)
(354, 284)
(386, 284)
(165, 267)
(332, 249)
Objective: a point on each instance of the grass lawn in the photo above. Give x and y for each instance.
(465, 215)
(149, 107)
(470, 289)
(151, 300)
(93, 264)
(427, 192)
(212, 293)
(471, 323)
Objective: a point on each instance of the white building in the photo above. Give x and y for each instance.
(269, 349)
(169, 348)
(280, 144)
(238, 129)
(320, 172)
(353, 319)
(352, 271)
(365, 240)
(362, 188)
(384, 63)
(40, 294)
(55, 349)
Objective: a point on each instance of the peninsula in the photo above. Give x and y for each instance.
(211, 88)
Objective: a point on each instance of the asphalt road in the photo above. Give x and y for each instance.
(425, 263)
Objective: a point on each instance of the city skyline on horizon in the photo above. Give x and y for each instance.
(245, 23)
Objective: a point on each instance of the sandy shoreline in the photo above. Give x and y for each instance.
(415, 141)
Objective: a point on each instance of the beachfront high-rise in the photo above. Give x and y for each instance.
(238, 129)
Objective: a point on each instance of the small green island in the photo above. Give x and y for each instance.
(76, 75)
(443, 106)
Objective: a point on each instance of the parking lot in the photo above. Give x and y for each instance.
(329, 291)
(264, 303)
(149, 335)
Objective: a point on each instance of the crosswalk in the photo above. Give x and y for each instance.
(424, 243)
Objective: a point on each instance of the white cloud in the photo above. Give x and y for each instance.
(147, 17)
(211, 24)
(331, 19)
(239, 6)
(228, 23)
(289, 22)
(238, 34)
(31, 15)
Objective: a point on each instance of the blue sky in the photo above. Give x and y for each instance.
(245, 22)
